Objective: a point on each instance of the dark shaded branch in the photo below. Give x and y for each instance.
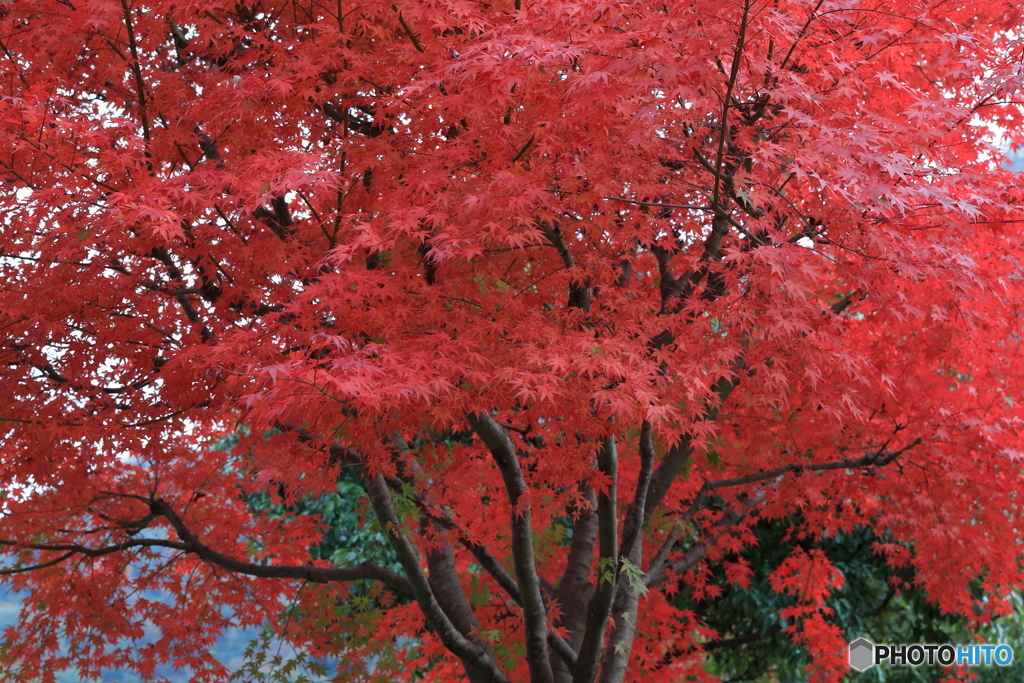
(889, 595)
(729, 518)
(734, 642)
(665, 550)
(36, 567)
(209, 147)
(492, 566)
(140, 86)
(484, 557)
(450, 596)
(132, 525)
(370, 129)
(563, 649)
(444, 582)
(497, 440)
(677, 531)
(429, 264)
(278, 218)
(662, 205)
(338, 452)
(636, 513)
(443, 576)
(656, 574)
(877, 459)
(803, 31)
(408, 30)
(575, 590)
(734, 71)
(164, 257)
(579, 292)
(442, 520)
(526, 146)
(845, 302)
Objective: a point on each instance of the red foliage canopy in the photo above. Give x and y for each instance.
(540, 271)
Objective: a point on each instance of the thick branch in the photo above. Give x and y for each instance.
(505, 580)
(278, 218)
(447, 589)
(601, 604)
(575, 589)
(627, 596)
(443, 574)
(469, 652)
(497, 440)
(636, 513)
(487, 560)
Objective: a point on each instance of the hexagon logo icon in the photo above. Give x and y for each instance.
(862, 654)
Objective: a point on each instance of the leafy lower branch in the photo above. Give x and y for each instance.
(659, 572)
(72, 549)
(363, 571)
(877, 459)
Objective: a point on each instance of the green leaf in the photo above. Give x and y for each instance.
(606, 569)
(633, 575)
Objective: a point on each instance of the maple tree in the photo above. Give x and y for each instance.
(573, 294)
